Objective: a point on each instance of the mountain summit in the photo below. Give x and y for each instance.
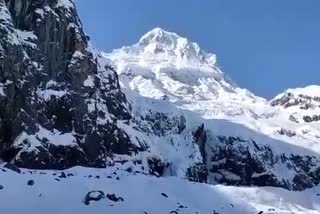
(164, 65)
(161, 43)
(168, 47)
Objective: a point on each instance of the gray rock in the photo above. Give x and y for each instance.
(30, 183)
(113, 197)
(93, 196)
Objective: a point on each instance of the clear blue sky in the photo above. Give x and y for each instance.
(265, 46)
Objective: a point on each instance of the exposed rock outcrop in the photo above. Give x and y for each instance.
(235, 161)
(59, 101)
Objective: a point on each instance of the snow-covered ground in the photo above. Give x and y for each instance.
(54, 193)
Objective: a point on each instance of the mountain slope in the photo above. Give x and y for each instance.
(243, 140)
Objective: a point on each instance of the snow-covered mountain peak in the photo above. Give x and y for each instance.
(164, 65)
(162, 46)
(161, 42)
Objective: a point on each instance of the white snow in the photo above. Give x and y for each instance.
(311, 90)
(89, 82)
(69, 4)
(40, 12)
(57, 138)
(47, 94)
(142, 194)
(3, 86)
(30, 142)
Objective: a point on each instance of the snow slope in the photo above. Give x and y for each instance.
(164, 73)
(54, 194)
(166, 66)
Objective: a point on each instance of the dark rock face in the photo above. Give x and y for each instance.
(12, 167)
(200, 138)
(198, 172)
(59, 101)
(234, 161)
(162, 124)
(156, 166)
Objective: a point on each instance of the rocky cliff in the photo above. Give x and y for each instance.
(60, 101)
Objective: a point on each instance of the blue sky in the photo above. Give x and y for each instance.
(264, 46)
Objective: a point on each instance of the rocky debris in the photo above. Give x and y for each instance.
(287, 132)
(113, 197)
(293, 119)
(62, 175)
(309, 119)
(181, 206)
(30, 183)
(93, 196)
(164, 195)
(12, 167)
